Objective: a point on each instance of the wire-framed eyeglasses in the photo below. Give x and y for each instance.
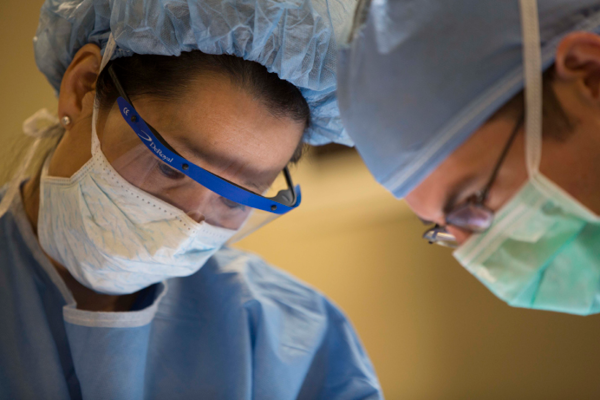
(472, 215)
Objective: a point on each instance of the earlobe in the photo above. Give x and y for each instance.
(78, 81)
(578, 60)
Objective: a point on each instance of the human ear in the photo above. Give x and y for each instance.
(578, 61)
(79, 80)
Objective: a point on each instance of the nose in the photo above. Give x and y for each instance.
(196, 216)
(460, 235)
(195, 200)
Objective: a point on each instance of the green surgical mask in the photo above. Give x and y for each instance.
(541, 252)
(543, 249)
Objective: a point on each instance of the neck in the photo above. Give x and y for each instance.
(86, 298)
(571, 156)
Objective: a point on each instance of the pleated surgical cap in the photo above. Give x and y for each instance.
(418, 77)
(294, 38)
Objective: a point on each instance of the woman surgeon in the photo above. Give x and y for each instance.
(174, 120)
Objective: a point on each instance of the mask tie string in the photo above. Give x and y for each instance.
(41, 125)
(532, 60)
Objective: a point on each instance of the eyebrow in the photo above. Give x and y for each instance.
(212, 158)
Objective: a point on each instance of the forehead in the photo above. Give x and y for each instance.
(223, 128)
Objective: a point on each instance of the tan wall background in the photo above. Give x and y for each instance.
(432, 331)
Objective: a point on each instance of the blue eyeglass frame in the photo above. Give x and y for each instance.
(285, 201)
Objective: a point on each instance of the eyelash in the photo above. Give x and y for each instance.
(232, 204)
(172, 173)
(169, 172)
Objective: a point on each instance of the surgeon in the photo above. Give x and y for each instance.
(174, 120)
(485, 117)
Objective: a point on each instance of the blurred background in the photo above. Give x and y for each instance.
(431, 330)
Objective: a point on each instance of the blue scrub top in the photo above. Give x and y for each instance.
(237, 329)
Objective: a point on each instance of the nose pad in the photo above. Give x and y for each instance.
(196, 216)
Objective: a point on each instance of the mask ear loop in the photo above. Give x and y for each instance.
(532, 66)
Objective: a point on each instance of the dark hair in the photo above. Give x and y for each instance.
(557, 124)
(168, 77)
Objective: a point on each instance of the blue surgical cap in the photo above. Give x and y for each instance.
(294, 38)
(420, 76)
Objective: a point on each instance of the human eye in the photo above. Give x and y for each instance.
(232, 204)
(169, 172)
(425, 221)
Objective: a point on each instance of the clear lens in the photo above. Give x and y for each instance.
(140, 166)
(471, 217)
(259, 218)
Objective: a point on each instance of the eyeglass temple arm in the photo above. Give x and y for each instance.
(122, 93)
(507, 146)
(117, 83)
(290, 184)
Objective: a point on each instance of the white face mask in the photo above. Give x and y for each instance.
(115, 238)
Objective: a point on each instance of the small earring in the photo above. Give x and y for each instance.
(66, 120)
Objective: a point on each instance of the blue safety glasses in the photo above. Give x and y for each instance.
(284, 201)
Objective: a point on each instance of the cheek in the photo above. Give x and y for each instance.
(511, 177)
(117, 139)
(73, 151)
